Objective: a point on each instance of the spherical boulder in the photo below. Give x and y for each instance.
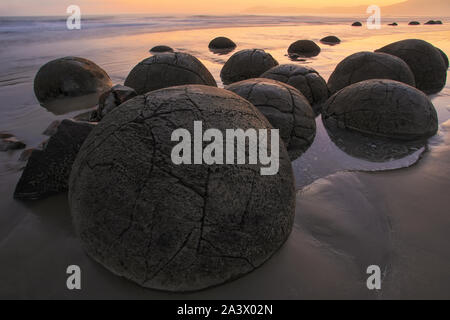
(246, 64)
(69, 77)
(414, 23)
(369, 65)
(330, 40)
(357, 24)
(382, 108)
(168, 70)
(178, 227)
(425, 61)
(221, 43)
(285, 108)
(304, 48)
(304, 79)
(161, 49)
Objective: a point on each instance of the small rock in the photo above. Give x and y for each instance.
(4, 135)
(160, 49)
(394, 24)
(357, 24)
(331, 40)
(112, 99)
(11, 143)
(221, 43)
(414, 23)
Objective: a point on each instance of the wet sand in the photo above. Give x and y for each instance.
(348, 216)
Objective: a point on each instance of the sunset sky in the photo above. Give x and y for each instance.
(55, 7)
(58, 7)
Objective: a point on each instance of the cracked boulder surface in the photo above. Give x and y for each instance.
(369, 65)
(425, 61)
(111, 99)
(305, 79)
(285, 108)
(177, 227)
(304, 48)
(382, 108)
(69, 77)
(246, 64)
(167, 70)
(47, 171)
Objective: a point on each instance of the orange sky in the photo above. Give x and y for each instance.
(57, 7)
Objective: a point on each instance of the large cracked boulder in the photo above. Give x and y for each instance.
(304, 79)
(167, 70)
(425, 61)
(246, 64)
(177, 227)
(304, 48)
(69, 77)
(285, 108)
(382, 108)
(369, 65)
(47, 171)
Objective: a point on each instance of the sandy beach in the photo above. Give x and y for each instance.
(350, 213)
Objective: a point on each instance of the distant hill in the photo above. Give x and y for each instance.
(407, 8)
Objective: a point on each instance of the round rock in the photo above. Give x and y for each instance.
(160, 49)
(69, 77)
(382, 108)
(177, 227)
(168, 70)
(304, 79)
(369, 65)
(331, 40)
(246, 64)
(425, 61)
(357, 24)
(414, 23)
(285, 108)
(221, 43)
(304, 48)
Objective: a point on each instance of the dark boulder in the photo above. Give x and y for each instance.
(414, 23)
(330, 40)
(394, 24)
(69, 77)
(246, 64)
(357, 24)
(304, 79)
(47, 171)
(304, 48)
(161, 49)
(382, 108)
(168, 70)
(221, 43)
(285, 108)
(177, 227)
(369, 65)
(425, 61)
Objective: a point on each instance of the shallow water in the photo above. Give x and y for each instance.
(37, 241)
